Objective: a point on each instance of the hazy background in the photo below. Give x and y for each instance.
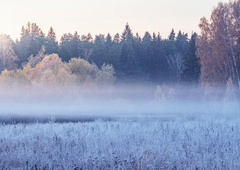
(111, 103)
(104, 16)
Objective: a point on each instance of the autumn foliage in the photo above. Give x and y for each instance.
(219, 47)
(53, 73)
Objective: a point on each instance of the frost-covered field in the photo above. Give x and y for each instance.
(136, 144)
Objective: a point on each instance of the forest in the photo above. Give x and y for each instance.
(210, 60)
(133, 58)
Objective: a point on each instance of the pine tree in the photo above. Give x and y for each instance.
(182, 43)
(86, 47)
(108, 43)
(159, 67)
(171, 36)
(127, 34)
(117, 38)
(191, 73)
(99, 54)
(31, 41)
(23, 46)
(128, 59)
(65, 52)
(37, 38)
(147, 54)
(51, 45)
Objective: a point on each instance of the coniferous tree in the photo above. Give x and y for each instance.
(37, 38)
(23, 46)
(127, 34)
(147, 53)
(117, 38)
(128, 59)
(99, 54)
(86, 47)
(108, 50)
(171, 36)
(69, 46)
(170, 51)
(139, 58)
(191, 73)
(108, 43)
(65, 52)
(115, 53)
(182, 43)
(31, 41)
(159, 67)
(75, 43)
(51, 45)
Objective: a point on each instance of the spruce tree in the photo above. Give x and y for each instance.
(51, 45)
(31, 42)
(128, 59)
(191, 72)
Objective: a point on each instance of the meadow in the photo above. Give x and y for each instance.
(143, 143)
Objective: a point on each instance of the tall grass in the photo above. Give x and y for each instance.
(142, 144)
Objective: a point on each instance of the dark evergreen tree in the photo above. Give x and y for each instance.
(75, 43)
(51, 44)
(147, 53)
(37, 38)
(115, 54)
(191, 73)
(171, 36)
(31, 42)
(139, 58)
(69, 46)
(86, 47)
(111, 58)
(117, 38)
(182, 43)
(127, 35)
(65, 52)
(128, 60)
(159, 68)
(99, 54)
(23, 46)
(108, 41)
(170, 45)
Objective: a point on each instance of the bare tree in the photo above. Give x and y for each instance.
(176, 65)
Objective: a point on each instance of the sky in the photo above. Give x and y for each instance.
(104, 16)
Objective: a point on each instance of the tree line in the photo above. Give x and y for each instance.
(149, 58)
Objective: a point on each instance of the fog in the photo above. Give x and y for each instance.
(112, 102)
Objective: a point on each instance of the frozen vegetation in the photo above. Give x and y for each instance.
(118, 128)
(122, 144)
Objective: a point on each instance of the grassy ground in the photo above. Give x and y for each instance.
(131, 144)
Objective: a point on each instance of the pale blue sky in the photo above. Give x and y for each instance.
(103, 16)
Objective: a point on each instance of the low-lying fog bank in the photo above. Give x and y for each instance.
(112, 102)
